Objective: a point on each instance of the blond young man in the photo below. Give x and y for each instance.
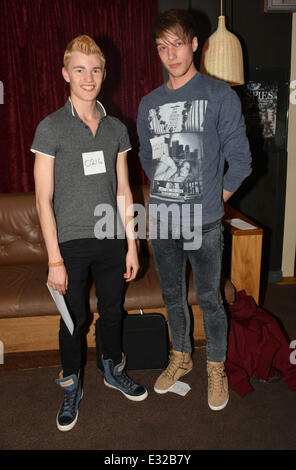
(196, 120)
(80, 163)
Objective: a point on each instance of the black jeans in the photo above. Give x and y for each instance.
(105, 261)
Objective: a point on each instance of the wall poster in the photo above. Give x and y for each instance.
(259, 104)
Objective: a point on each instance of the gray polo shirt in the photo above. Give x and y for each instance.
(84, 167)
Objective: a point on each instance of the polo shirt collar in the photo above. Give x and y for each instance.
(74, 112)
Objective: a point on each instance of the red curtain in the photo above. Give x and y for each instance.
(33, 37)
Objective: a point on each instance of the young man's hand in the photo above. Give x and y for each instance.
(132, 265)
(226, 195)
(58, 279)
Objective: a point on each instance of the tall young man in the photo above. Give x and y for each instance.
(196, 120)
(80, 163)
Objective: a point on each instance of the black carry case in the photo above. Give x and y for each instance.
(144, 341)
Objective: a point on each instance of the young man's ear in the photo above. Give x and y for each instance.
(65, 75)
(194, 44)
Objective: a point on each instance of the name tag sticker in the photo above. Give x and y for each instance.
(93, 163)
(157, 144)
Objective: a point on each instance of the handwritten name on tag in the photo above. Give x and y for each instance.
(93, 163)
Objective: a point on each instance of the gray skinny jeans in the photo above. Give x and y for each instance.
(170, 259)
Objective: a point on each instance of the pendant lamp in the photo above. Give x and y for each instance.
(222, 55)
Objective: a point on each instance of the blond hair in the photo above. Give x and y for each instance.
(83, 44)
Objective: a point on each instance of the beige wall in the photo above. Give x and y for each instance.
(289, 244)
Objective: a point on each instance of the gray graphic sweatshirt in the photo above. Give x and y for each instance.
(193, 144)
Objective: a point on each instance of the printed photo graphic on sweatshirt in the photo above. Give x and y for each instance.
(177, 150)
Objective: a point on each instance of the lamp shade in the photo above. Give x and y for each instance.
(222, 56)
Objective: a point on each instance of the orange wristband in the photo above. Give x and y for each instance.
(59, 263)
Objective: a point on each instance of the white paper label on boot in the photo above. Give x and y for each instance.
(181, 388)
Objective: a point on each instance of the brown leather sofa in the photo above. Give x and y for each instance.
(23, 264)
(28, 315)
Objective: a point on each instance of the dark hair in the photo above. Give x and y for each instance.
(179, 22)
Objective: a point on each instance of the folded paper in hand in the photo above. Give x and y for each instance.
(62, 308)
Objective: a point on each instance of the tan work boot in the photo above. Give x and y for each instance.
(218, 395)
(179, 365)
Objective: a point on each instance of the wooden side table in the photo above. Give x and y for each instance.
(246, 253)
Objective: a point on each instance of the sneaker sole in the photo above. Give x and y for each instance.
(218, 408)
(160, 390)
(67, 427)
(130, 397)
(70, 426)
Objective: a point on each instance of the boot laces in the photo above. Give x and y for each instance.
(125, 380)
(69, 402)
(173, 366)
(216, 376)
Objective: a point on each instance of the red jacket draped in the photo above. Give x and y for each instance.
(257, 347)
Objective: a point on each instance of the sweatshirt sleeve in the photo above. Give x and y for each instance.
(234, 141)
(145, 152)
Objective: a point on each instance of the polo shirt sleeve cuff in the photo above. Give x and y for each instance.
(43, 153)
(124, 151)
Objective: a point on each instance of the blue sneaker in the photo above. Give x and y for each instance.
(116, 377)
(68, 412)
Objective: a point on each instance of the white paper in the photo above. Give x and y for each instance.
(62, 308)
(181, 388)
(241, 224)
(93, 163)
(157, 144)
